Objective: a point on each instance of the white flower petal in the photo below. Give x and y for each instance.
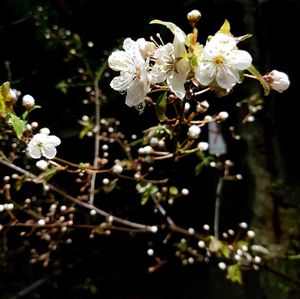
(135, 94)
(34, 152)
(120, 61)
(205, 73)
(122, 82)
(53, 140)
(226, 78)
(241, 58)
(178, 78)
(49, 151)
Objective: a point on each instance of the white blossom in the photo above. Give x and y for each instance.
(278, 81)
(133, 67)
(172, 64)
(43, 145)
(221, 61)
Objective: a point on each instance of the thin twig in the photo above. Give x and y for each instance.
(97, 140)
(75, 200)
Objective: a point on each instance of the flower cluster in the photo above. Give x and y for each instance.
(219, 64)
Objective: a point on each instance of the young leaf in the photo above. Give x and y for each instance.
(225, 28)
(17, 123)
(234, 274)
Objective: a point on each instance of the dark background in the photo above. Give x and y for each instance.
(116, 267)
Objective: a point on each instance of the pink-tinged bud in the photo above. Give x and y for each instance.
(278, 81)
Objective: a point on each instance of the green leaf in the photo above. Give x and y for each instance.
(161, 106)
(234, 274)
(84, 131)
(260, 78)
(225, 28)
(17, 123)
(62, 86)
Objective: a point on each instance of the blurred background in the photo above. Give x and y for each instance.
(268, 155)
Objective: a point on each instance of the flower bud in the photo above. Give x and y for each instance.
(222, 116)
(194, 131)
(194, 17)
(202, 106)
(278, 81)
(28, 101)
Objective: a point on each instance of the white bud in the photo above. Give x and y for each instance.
(154, 229)
(42, 164)
(45, 131)
(93, 212)
(203, 146)
(41, 222)
(257, 259)
(191, 231)
(222, 266)
(201, 244)
(243, 225)
(187, 107)
(1, 208)
(250, 234)
(194, 131)
(13, 95)
(206, 227)
(117, 168)
(105, 181)
(28, 101)
(9, 206)
(222, 116)
(278, 81)
(150, 252)
(185, 191)
(194, 17)
(148, 149)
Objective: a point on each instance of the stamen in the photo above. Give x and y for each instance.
(160, 39)
(154, 41)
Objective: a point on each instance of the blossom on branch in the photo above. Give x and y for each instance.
(43, 145)
(171, 63)
(133, 64)
(221, 61)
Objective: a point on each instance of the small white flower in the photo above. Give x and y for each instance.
(134, 77)
(43, 145)
(278, 81)
(220, 60)
(194, 131)
(28, 101)
(172, 64)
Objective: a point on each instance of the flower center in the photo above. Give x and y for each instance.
(219, 59)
